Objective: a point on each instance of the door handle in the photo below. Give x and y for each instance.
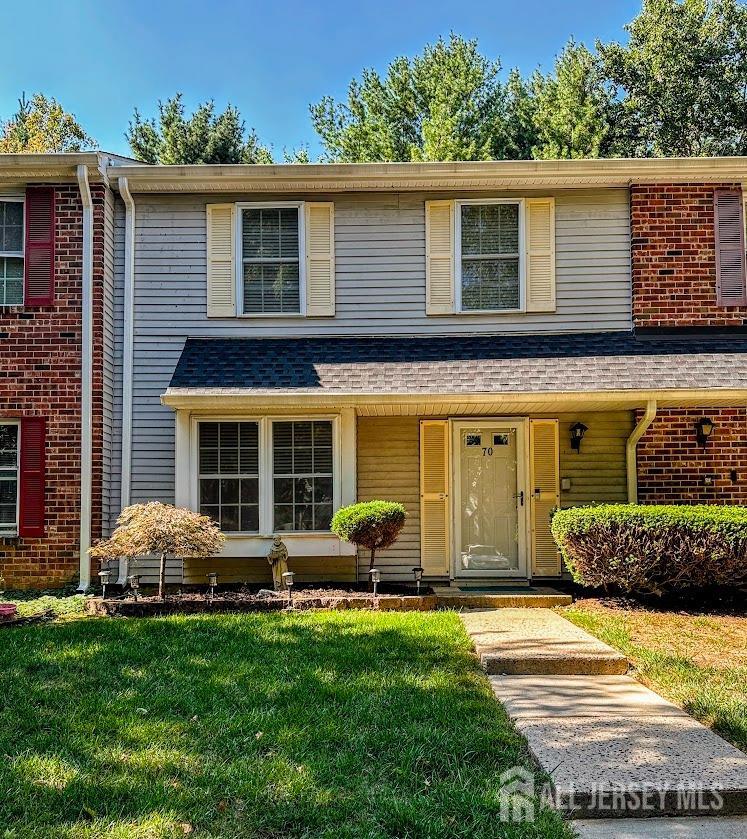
(520, 496)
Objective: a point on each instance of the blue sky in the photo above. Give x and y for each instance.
(270, 59)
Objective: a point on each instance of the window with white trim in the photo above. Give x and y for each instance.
(9, 469)
(488, 255)
(11, 252)
(271, 260)
(229, 474)
(303, 480)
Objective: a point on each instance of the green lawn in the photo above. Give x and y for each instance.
(698, 661)
(329, 724)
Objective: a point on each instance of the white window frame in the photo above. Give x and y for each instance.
(12, 530)
(239, 260)
(458, 204)
(17, 199)
(266, 484)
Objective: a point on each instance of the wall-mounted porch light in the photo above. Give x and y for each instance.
(703, 430)
(577, 435)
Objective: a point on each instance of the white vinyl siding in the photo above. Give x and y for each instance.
(11, 251)
(10, 448)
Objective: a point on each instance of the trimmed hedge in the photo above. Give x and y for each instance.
(653, 549)
(370, 524)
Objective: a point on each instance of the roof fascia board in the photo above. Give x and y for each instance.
(490, 175)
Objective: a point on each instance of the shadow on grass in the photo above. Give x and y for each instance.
(329, 724)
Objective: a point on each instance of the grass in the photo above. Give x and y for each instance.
(697, 661)
(60, 602)
(328, 724)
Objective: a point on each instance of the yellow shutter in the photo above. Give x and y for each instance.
(540, 254)
(320, 259)
(544, 492)
(221, 277)
(434, 497)
(439, 257)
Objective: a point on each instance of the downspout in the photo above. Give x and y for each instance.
(86, 376)
(127, 357)
(630, 449)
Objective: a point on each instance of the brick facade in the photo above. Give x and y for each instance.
(673, 259)
(673, 467)
(43, 378)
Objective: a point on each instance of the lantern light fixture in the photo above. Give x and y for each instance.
(417, 572)
(288, 582)
(212, 583)
(577, 435)
(375, 575)
(104, 576)
(703, 430)
(135, 585)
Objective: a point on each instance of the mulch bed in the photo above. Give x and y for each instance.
(251, 601)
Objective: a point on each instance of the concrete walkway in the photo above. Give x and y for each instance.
(611, 746)
(685, 828)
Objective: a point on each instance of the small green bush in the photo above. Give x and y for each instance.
(374, 525)
(653, 549)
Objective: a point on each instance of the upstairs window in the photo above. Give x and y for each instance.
(11, 252)
(489, 247)
(271, 260)
(9, 467)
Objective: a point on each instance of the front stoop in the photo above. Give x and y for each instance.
(533, 598)
(538, 642)
(613, 748)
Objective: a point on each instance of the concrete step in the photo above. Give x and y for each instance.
(450, 598)
(538, 642)
(616, 749)
(711, 827)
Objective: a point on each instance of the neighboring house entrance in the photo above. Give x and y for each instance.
(487, 488)
(490, 499)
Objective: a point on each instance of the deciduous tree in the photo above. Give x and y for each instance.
(42, 125)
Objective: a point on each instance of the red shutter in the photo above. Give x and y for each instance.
(730, 257)
(39, 246)
(33, 434)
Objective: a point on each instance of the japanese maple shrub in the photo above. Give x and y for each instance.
(373, 525)
(163, 530)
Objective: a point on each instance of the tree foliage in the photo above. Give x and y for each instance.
(163, 530)
(682, 79)
(678, 87)
(203, 137)
(42, 125)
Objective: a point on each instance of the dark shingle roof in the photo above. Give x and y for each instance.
(472, 364)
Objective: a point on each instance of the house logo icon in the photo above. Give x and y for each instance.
(517, 801)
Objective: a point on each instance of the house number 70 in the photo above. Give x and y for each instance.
(487, 451)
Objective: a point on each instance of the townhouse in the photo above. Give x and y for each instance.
(480, 341)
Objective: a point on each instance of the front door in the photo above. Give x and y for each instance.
(490, 499)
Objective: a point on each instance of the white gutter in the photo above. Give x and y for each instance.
(127, 357)
(630, 449)
(86, 376)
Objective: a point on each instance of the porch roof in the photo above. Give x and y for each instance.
(615, 368)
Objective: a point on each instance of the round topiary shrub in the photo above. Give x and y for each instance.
(374, 525)
(653, 549)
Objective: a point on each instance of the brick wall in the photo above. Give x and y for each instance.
(672, 465)
(673, 257)
(41, 376)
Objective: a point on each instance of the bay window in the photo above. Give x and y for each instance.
(9, 467)
(488, 255)
(11, 252)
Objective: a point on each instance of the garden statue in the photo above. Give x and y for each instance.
(278, 559)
